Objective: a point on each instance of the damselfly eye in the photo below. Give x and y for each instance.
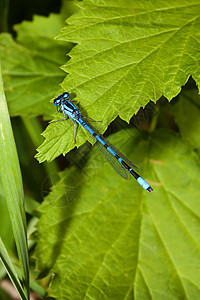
(66, 95)
(56, 101)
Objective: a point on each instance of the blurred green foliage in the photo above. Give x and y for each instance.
(98, 236)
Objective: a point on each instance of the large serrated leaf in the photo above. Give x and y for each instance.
(127, 53)
(113, 240)
(130, 52)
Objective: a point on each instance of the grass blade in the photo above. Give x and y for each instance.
(12, 184)
(33, 284)
(11, 270)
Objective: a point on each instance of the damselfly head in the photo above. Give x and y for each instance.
(57, 101)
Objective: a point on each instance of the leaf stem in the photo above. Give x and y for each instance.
(155, 118)
(4, 8)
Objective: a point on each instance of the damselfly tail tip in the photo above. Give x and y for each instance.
(149, 189)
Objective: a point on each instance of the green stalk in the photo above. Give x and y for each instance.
(154, 119)
(4, 8)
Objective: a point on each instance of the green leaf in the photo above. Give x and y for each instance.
(113, 240)
(131, 52)
(127, 53)
(13, 188)
(187, 115)
(59, 138)
(31, 66)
